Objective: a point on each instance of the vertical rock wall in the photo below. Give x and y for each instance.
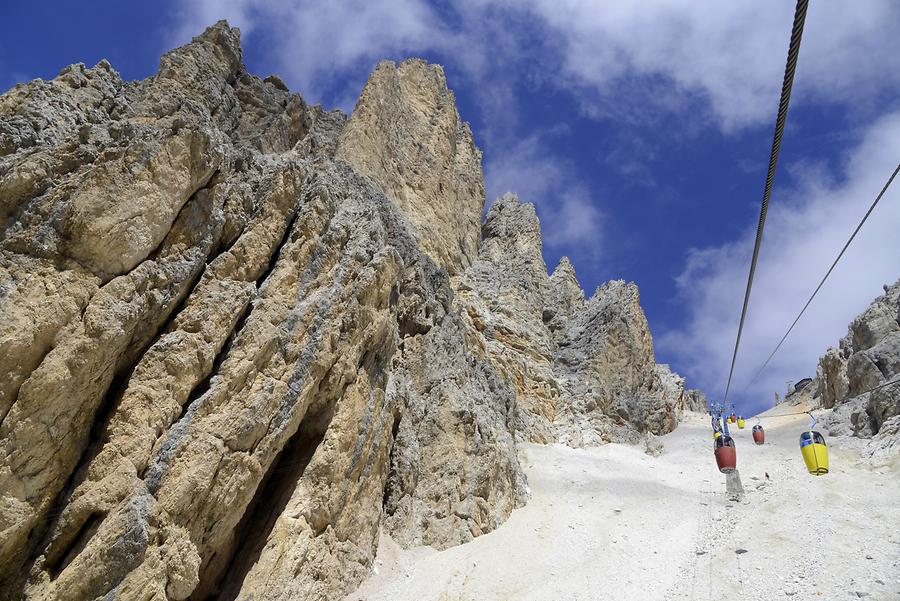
(406, 135)
(219, 346)
(230, 347)
(583, 371)
(866, 358)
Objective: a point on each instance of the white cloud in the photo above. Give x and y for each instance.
(806, 227)
(574, 220)
(326, 49)
(193, 16)
(569, 216)
(731, 53)
(614, 55)
(524, 167)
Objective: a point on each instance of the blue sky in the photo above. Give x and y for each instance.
(641, 131)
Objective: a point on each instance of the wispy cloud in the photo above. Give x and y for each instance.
(806, 227)
(729, 53)
(569, 216)
(612, 55)
(574, 221)
(327, 49)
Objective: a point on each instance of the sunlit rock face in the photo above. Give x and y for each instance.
(406, 135)
(241, 335)
(583, 370)
(866, 358)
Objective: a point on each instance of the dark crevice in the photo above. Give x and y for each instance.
(166, 326)
(220, 248)
(47, 351)
(273, 260)
(392, 474)
(61, 558)
(15, 392)
(222, 580)
(139, 345)
(203, 386)
(204, 187)
(38, 540)
(225, 244)
(105, 412)
(884, 368)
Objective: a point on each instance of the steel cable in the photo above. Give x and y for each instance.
(790, 68)
(828, 273)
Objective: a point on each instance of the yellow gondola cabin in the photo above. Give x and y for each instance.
(815, 452)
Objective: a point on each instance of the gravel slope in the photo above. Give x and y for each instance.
(614, 523)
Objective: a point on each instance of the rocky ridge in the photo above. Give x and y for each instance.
(239, 334)
(854, 378)
(583, 369)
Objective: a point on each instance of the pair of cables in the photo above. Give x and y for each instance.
(787, 85)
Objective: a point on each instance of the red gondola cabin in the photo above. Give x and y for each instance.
(726, 457)
(759, 435)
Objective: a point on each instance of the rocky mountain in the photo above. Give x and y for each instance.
(855, 378)
(240, 335)
(866, 358)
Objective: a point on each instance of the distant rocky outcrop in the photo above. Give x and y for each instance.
(867, 357)
(805, 391)
(686, 399)
(583, 370)
(609, 387)
(855, 378)
(240, 335)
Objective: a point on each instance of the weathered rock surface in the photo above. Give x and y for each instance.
(855, 379)
(805, 391)
(610, 389)
(225, 359)
(884, 448)
(502, 297)
(583, 371)
(831, 376)
(694, 400)
(406, 135)
(231, 350)
(564, 298)
(673, 387)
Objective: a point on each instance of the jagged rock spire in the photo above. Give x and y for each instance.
(230, 357)
(406, 135)
(250, 326)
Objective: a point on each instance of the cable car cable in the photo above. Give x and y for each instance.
(790, 68)
(827, 273)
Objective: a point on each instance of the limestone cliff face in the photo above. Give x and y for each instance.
(673, 384)
(406, 135)
(231, 351)
(225, 358)
(502, 297)
(611, 390)
(868, 356)
(583, 371)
